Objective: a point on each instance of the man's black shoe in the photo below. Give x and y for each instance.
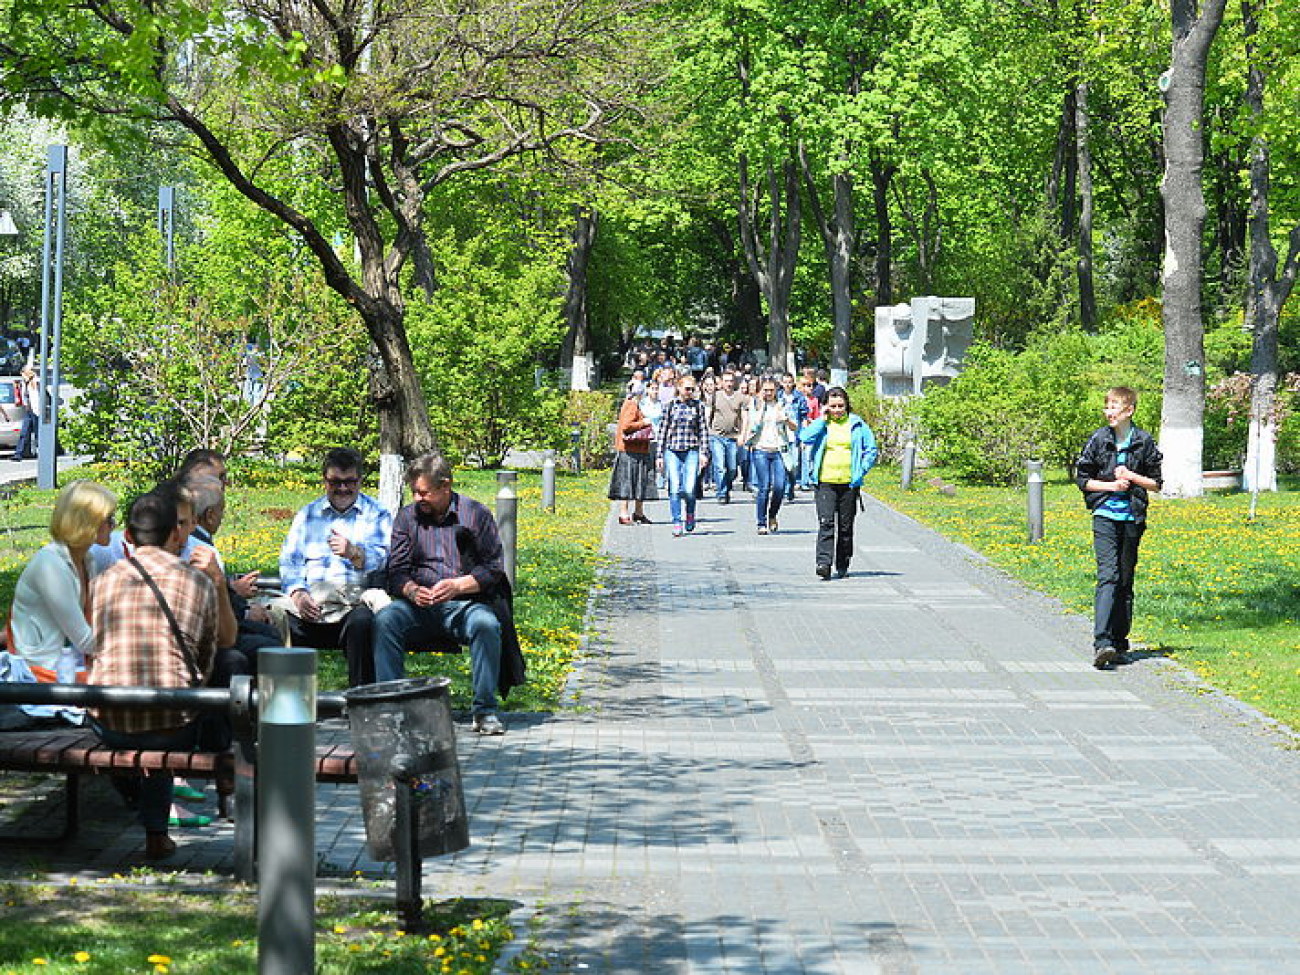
(823, 572)
(1106, 658)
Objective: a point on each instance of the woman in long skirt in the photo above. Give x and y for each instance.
(633, 477)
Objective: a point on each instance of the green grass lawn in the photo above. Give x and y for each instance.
(70, 929)
(558, 557)
(1215, 590)
(111, 931)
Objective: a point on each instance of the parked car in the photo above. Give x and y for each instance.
(12, 410)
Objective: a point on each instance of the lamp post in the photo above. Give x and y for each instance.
(56, 192)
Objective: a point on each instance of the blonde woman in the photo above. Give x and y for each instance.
(51, 608)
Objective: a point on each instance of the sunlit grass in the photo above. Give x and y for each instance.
(1214, 589)
(112, 930)
(558, 556)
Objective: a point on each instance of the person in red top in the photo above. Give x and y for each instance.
(137, 645)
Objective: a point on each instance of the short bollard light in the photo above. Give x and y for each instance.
(411, 796)
(548, 480)
(286, 811)
(575, 439)
(508, 519)
(1035, 501)
(909, 462)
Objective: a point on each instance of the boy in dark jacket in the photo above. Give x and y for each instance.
(1119, 465)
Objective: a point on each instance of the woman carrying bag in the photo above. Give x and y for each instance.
(633, 477)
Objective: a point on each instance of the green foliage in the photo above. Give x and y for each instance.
(478, 341)
(163, 366)
(1007, 407)
(590, 414)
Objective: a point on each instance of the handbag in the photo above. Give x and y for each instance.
(644, 435)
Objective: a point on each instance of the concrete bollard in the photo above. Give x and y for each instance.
(508, 519)
(909, 462)
(548, 481)
(1035, 501)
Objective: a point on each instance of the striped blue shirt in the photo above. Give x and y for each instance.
(305, 557)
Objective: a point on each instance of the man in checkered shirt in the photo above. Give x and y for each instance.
(135, 645)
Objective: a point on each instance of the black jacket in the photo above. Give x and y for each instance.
(1097, 463)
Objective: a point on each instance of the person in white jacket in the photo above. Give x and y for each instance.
(51, 607)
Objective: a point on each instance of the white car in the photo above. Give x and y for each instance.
(12, 410)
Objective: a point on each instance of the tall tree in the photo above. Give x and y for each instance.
(382, 101)
(577, 348)
(1269, 283)
(1181, 430)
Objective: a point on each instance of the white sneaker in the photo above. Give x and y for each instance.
(488, 724)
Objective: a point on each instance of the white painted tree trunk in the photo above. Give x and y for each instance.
(581, 378)
(391, 481)
(1181, 445)
(1260, 473)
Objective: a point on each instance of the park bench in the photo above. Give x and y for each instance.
(74, 752)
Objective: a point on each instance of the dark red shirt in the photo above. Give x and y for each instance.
(426, 550)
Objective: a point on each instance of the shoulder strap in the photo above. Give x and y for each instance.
(171, 619)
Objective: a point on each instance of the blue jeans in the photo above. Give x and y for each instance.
(726, 458)
(768, 474)
(682, 467)
(462, 620)
(26, 436)
(155, 806)
(805, 466)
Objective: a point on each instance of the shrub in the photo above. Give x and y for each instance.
(1007, 407)
(591, 414)
(477, 342)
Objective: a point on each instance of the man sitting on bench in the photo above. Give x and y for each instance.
(334, 545)
(157, 623)
(447, 578)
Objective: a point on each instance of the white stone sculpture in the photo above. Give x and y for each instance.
(921, 343)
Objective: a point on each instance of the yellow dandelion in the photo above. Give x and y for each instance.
(81, 957)
(158, 960)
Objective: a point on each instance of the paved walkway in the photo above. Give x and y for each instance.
(914, 769)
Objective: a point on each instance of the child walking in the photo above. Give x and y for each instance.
(1119, 465)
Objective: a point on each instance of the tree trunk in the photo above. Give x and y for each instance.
(746, 298)
(837, 237)
(1083, 152)
(1181, 421)
(772, 264)
(576, 349)
(1061, 181)
(881, 175)
(1268, 290)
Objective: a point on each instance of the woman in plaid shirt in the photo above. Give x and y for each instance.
(683, 445)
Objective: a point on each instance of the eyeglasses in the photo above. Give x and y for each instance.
(688, 389)
(342, 482)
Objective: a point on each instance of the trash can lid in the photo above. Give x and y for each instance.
(397, 690)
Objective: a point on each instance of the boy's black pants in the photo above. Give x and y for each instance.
(1115, 543)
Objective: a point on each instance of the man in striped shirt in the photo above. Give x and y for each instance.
(444, 566)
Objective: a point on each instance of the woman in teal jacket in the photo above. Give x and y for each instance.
(843, 450)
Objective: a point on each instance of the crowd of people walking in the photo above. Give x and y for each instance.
(693, 428)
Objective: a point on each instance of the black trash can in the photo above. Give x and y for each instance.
(403, 737)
